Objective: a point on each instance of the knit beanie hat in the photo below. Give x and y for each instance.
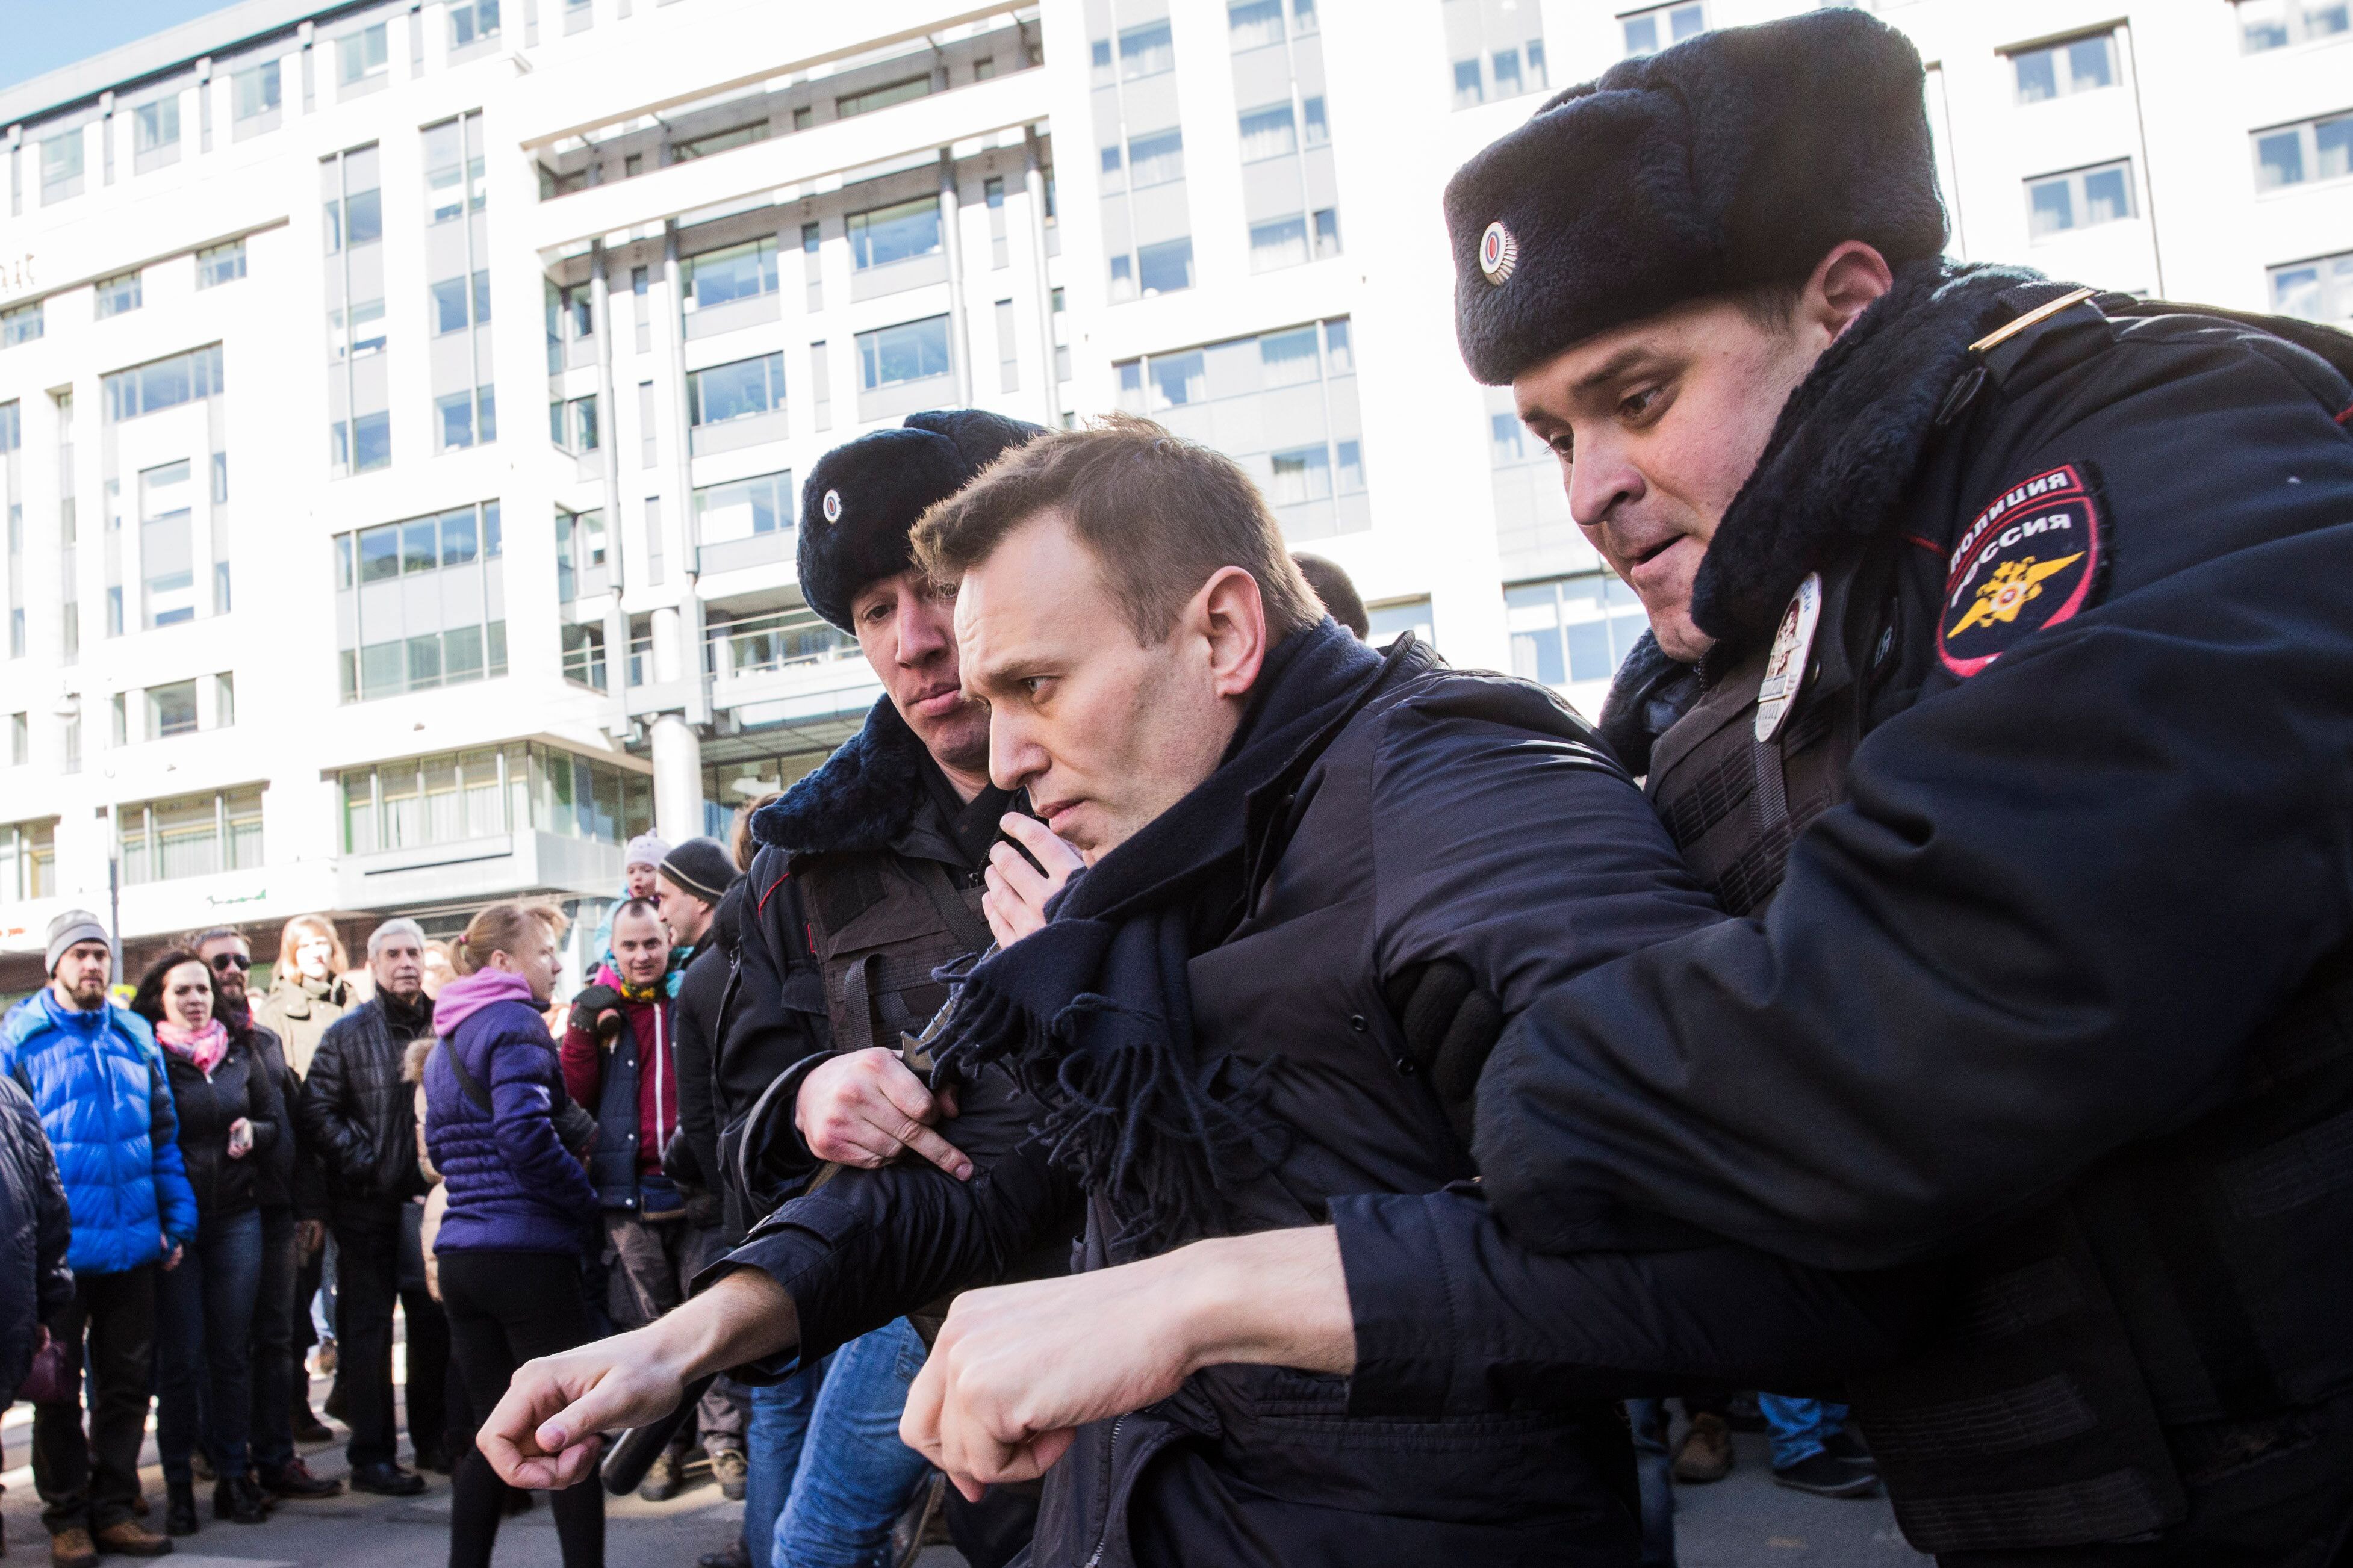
(70, 927)
(701, 867)
(645, 849)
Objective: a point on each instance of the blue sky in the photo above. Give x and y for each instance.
(43, 35)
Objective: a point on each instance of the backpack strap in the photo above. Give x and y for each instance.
(468, 1084)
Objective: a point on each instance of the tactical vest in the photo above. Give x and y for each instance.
(878, 926)
(2159, 1323)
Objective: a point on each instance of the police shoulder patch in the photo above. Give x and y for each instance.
(2027, 561)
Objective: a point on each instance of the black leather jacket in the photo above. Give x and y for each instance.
(359, 1115)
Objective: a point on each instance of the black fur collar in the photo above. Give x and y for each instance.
(1842, 456)
(1846, 445)
(864, 796)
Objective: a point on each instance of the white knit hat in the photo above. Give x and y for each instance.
(645, 849)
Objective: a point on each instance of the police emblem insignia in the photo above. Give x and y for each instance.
(2026, 562)
(1785, 666)
(833, 506)
(1499, 253)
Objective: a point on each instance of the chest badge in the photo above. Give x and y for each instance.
(1785, 666)
(2027, 561)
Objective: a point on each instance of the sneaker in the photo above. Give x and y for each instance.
(662, 1482)
(1826, 1475)
(734, 1473)
(129, 1537)
(294, 1480)
(1705, 1454)
(71, 1549)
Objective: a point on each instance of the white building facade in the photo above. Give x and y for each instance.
(402, 405)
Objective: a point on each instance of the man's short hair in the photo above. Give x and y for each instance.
(403, 926)
(204, 938)
(1160, 515)
(644, 906)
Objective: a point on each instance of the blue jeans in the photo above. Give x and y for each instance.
(857, 1475)
(203, 1345)
(1799, 1426)
(1654, 1468)
(772, 1450)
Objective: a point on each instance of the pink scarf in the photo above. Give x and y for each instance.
(203, 1048)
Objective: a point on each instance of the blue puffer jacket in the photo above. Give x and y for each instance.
(106, 1105)
(510, 1184)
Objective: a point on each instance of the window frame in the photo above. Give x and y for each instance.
(2076, 181)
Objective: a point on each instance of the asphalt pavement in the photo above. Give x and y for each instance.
(1742, 1521)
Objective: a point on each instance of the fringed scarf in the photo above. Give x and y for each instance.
(201, 1048)
(1092, 1015)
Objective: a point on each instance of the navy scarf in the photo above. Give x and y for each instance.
(1092, 1015)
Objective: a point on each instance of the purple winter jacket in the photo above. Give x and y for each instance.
(511, 1186)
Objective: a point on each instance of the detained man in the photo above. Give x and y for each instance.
(1307, 883)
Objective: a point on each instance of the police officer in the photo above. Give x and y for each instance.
(2001, 687)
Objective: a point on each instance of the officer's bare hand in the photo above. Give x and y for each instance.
(866, 1109)
(1019, 1368)
(1018, 891)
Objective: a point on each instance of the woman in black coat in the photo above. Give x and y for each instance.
(34, 1228)
(231, 1115)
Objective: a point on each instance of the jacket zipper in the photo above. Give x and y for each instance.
(1111, 1448)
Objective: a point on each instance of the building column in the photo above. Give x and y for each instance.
(678, 779)
(951, 227)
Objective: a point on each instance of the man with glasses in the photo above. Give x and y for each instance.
(294, 1225)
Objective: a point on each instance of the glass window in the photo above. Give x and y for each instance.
(163, 384)
(366, 330)
(1280, 243)
(735, 390)
(910, 352)
(254, 90)
(1178, 379)
(1269, 132)
(1328, 232)
(471, 21)
(21, 325)
(1469, 88)
(2057, 204)
(156, 124)
(61, 158)
(774, 640)
(120, 293)
(1572, 630)
(28, 856)
(354, 204)
(1165, 268)
(583, 655)
(1318, 131)
(738, 272)
(453, 168)
(882, 97)
(221, 264)
(892, 233)
(2316, 150)
(1155, 160)
(362, 54)
(1299, 476)
(171, 710)
(192, 836)
(1647, 32)
(743, 508)
(2059, 69)
(465, 418)
(719, 141)
(1147, 51)
(2276, 23)
(1253, 24)
(2319, 291)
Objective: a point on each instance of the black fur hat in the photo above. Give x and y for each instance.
(863, 499)
(1735, 158)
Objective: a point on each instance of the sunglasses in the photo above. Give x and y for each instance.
(227, 961)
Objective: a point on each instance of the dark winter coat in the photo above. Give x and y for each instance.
(706, 994)
(290, 1177)
(510, 1185)
(1400, 840)
(630, 1080)
(360, 1116)
(36, 1227)
(238, 1086)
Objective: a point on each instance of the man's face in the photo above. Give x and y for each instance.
(228, 958)
(686, 915)
(640, 947)
(638, 877)
(398, 967)
(82, 973)
(1105, 733)
(1657, 426)
(906, 628)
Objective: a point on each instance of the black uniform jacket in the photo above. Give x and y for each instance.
(1455, 817)
(2067, 885)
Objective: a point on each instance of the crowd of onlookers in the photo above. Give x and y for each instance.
(206, 1188)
